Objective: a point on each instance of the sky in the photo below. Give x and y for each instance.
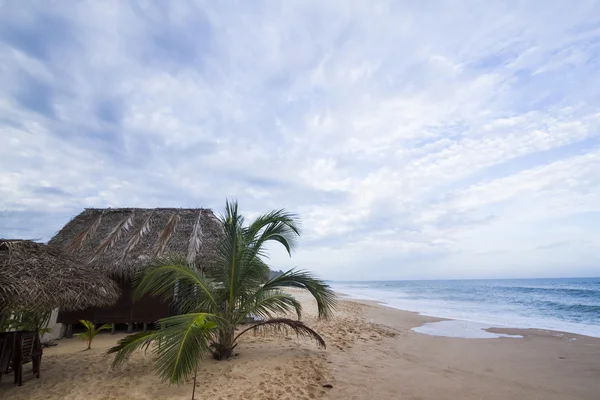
(415, 140)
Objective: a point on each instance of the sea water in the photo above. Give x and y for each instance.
(565, 304)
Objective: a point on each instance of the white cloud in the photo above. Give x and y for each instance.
(421, 141)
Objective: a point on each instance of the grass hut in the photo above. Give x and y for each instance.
(37, 277)
(120, 242)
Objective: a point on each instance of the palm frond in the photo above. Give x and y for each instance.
(126, 346)
(253, 273)
(267, 304)
(110, 240)
(177, 345)
(232, 216)
(325, 297)
(279, 226)
(162, 279)
(285, 325)
(230, 254)
(184, 339)
(137, 236)
(104, 328)
(195, 240)
(89, 325)
(239, 265)
(83, 335)
(166, 234)
(81, 237)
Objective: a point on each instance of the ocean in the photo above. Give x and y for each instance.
(563, 304)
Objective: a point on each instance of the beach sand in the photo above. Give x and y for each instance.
(372, 354)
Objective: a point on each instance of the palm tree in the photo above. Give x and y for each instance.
(90, 331)
(231, 289)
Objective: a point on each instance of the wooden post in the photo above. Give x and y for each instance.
(145, 326)
(113, 329)
(130, 326)
(2, 319)
(69, 333)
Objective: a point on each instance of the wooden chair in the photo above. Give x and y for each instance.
(3, 349)
(28, 349)
(7, 343)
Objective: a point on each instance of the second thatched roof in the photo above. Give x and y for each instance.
(121, 241)
(39, 277)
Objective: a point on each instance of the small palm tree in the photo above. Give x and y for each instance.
(230, 290)
(90, 331)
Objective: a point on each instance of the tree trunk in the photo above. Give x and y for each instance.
(195, 376)
(223, 349)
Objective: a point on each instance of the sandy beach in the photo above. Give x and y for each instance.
(372, 353)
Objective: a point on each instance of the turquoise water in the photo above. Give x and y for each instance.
(566, 304)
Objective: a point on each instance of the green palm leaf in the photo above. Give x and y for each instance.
(126, 346)
(325, 297)
(177, 346)
(183, 342)
(266, 304)
(175, 280)
(285, 325)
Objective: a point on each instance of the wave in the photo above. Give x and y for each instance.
(569, 306)
(577, 308)
(577, 292)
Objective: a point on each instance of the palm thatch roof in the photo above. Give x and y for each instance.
(39, 277)
(122, 241)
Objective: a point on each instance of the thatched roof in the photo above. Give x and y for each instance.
(121, 241)
(40, 277)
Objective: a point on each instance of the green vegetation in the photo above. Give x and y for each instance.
(90, 331)
(275, 274)
(214, 301)
(25, 320)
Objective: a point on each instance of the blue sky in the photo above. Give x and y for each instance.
(416, 140)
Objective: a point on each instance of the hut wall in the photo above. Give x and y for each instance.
(146, 309)
(55, 328)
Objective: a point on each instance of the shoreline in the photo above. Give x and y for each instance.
(491, 327)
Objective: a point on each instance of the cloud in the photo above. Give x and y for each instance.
(414, 142)
(554, 245)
